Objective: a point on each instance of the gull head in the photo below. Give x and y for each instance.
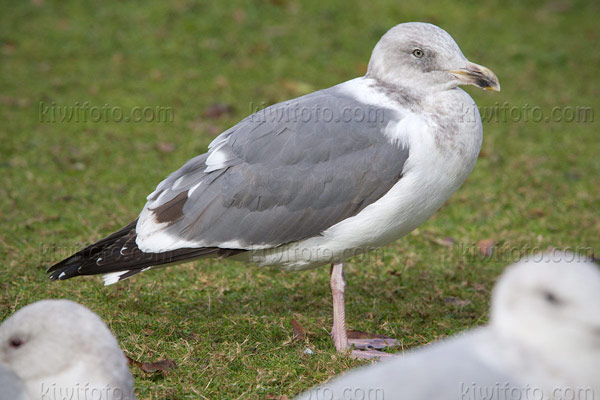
(59, 343)
(550, 303)
(424, 57)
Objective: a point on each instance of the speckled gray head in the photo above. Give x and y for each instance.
(422, 56)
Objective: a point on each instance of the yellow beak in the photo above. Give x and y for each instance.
(477, 75)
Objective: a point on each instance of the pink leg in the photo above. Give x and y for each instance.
(339, 331)
(338, 287)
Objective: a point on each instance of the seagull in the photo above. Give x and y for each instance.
(61, 349)
(317, 179)
(12, 387)
(543, 341)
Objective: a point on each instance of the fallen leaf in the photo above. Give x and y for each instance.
(63, 24)
(155, 74)
(239, 15)
(217, 110)
(479, 287)
(299, 331)
(395, 273)
(165, 147)
(536, 212)
(162, 366)
(276, 397)
(221, 81)
(457, 302)
(486, 247)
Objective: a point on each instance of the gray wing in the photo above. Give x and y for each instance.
(447, 370)
(283, 174)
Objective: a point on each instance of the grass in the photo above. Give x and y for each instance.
(227, 325)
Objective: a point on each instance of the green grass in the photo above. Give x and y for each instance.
(227, 325)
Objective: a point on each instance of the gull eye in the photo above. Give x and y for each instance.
(551, 298)
(418, 53)
(16, 343)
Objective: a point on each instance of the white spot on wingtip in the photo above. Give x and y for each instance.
(61, 275)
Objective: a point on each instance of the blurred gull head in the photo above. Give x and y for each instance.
(59, 344)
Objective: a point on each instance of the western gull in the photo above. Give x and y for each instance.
(316, 179)
(61, 349)
(542, 342)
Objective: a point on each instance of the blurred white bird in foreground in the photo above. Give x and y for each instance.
(11, 387)
(61, 350)
(542, 342)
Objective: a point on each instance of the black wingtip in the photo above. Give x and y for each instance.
(72, 266)
(60, 273)
(107, 256)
